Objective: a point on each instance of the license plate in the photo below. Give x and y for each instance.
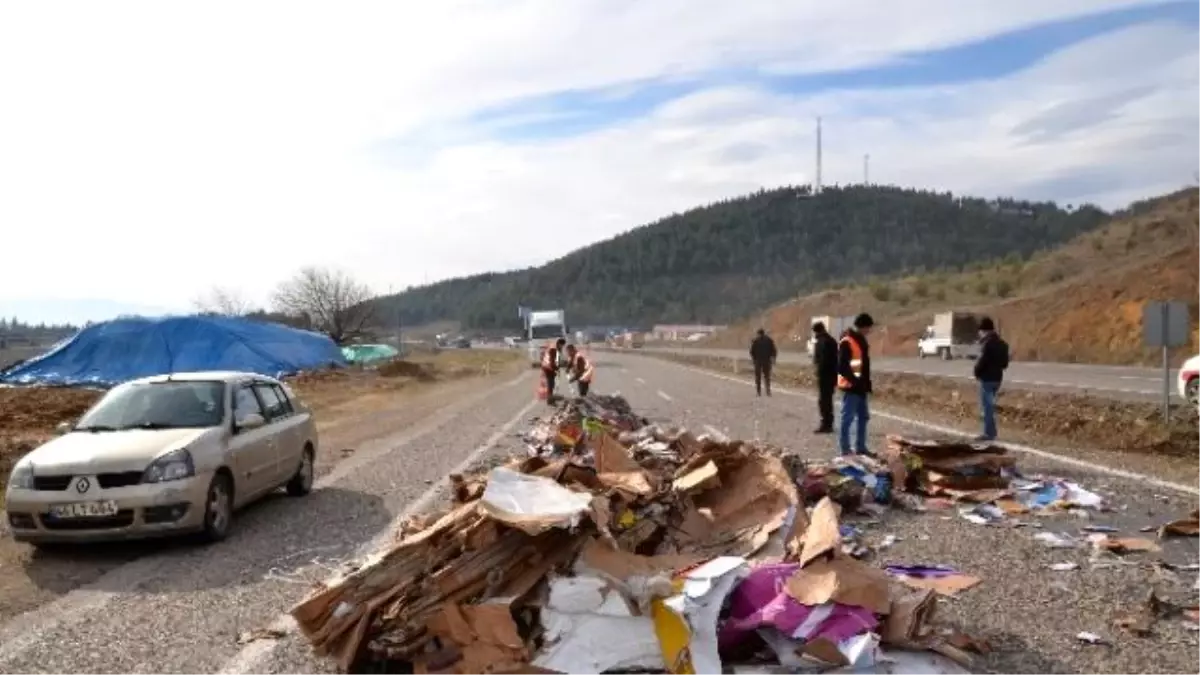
(84, 510)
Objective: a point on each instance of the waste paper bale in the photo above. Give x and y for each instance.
(616, 545)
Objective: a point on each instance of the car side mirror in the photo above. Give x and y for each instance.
(64, 427)
(251, 421)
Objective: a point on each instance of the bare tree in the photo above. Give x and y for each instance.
(224, 302)
(333, 301)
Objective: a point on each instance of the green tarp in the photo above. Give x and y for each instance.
(369, 353)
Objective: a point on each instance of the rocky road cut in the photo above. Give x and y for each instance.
(221, 608)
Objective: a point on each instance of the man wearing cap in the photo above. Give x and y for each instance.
(854, 379)
(825, 361)
(989, 370)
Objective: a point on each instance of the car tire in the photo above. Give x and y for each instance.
(944, 352)
(302, 482)
(218, 509)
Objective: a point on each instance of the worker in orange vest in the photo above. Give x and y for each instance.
(579, 370)
(854, 379)
(550, 352)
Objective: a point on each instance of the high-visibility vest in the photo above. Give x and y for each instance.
(549, 357)
(583, 369)
(856, 363)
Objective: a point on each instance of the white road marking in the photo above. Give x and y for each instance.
(664, 395)
(23, 631)
(640, 380)
(248, 659)
(1069, 461)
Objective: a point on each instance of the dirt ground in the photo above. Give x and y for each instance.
(351, 407)
(1132, 431)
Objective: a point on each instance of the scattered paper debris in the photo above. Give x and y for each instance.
(1063, 566)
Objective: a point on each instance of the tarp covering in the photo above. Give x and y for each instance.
(117, 351)
(369, 353)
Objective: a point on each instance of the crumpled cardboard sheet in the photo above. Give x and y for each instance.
(1184, 527)
(590, 628)
(686, 623)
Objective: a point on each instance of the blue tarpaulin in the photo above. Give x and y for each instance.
(125, 349)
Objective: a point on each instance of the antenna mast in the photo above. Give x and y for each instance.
(817, 182)
(866, 169)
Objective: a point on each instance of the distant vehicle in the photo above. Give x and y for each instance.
(1189, 380)
(836, 325)
(633, 340)
(952, 335)
(541, 327)
(461, 342)
(512, 342)
(164, 455)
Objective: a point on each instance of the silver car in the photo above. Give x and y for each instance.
(163, 455)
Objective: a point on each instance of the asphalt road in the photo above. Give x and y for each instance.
(182, 609)
(1117, 382)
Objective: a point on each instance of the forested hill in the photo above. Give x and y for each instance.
(719, 262)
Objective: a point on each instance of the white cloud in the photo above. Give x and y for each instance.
(149, 150)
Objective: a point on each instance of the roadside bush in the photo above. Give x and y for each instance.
(939, 294)
(982, 286)
(881, 292)
(1003, 288)
(920, 288)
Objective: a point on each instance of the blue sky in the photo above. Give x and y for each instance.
(427, 139)
(564, 114)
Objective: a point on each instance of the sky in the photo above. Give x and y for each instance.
(150, 151)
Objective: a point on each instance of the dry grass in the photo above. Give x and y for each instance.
(1079, 302)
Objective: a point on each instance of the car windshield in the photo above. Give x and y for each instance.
(158, 405)
(546, 332)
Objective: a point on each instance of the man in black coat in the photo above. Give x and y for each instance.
(825, 359)
(762, 353)
(989, 370)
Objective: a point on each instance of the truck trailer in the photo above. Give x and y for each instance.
(541, 327)
(952, 335)
(836, 325)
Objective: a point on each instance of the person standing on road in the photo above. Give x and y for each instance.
(989, 370)
(762, 354)
(579, 370)
(854, 379)
(825, 359)
(550, 365)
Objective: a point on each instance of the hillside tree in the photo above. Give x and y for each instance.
(329, 300)
(224, 302)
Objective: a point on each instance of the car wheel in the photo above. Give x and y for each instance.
(1192, 390)
(945, 351)
(302, 483)
(218, 508)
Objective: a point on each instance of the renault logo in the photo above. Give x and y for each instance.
(83, 485)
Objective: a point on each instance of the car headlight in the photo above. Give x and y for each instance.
(21, 477)
(174, 465)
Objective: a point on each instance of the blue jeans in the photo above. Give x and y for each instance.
(987, 406)
(854, 406)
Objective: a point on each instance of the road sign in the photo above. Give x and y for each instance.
(1165, 324)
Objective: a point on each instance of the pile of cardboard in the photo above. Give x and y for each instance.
(618, 548)
(958, 470)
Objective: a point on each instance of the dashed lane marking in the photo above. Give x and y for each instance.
(662, 394)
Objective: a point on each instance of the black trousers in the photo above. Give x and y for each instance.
(825, 391)
(762, 372)
(583, 387)
(550, 376)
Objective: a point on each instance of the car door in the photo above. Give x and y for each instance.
(254, 453)
(282, 428)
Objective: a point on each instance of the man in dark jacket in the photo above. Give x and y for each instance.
(854, 379)
(825, 358)
(762, 353)
(989, 370)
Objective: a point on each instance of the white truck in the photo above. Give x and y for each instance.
(836, 325)
(952, 335)
(542, 326)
